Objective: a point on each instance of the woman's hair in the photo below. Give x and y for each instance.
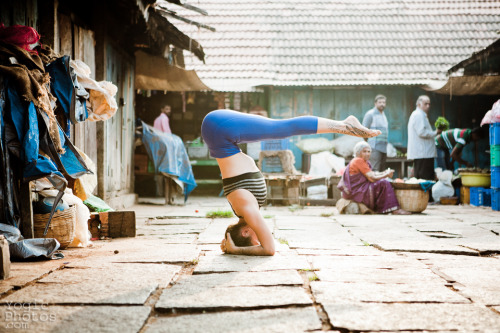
(235, 231)
(359, 147)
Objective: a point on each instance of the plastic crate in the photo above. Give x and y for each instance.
(485, 198)
(274, 144)
(480, 196)
(474, 195)
(272, 164)
(495, 176)
(495, 198)
(495, 155)
(495, 134)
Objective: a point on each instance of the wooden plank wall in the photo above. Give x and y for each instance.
(118, 140)
(23, 12)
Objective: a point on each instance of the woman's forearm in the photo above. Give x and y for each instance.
(374, 176)
(255, 250)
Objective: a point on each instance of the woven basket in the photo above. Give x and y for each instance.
(62, 226)
(414, 200)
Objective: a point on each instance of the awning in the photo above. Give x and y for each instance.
(154, 73)
(468, 85)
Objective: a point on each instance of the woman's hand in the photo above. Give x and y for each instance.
(227, 245)
(223, 245)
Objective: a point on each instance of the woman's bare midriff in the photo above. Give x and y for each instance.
(236, 165)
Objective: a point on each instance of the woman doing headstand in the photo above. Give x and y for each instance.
(244, 185)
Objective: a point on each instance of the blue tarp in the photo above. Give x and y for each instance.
(169, 156)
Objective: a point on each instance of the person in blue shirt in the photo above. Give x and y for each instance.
(376, 119)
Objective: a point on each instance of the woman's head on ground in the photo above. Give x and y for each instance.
(242, 234)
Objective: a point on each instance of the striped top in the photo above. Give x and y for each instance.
(251, 181)
(456, 137)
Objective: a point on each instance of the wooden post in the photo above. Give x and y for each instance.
(4, 258)
(26, 210)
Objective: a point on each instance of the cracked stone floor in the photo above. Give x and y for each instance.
(433, 272)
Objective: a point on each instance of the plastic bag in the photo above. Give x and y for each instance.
(443, 187)
(391, 151)
(492, 116)
(29, 249)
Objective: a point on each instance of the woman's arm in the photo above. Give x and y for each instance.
(245, 205)
(373, 176)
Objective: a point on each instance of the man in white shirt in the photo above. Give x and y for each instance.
(421, 147)
(376, 119)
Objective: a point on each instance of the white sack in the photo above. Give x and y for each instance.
(315, 145)
(344, 145)
(323, 163)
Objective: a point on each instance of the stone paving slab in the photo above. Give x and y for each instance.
(376, 275)
(234, 263)
(339, 292)
(491, 227)
(50, 318)
(306, 222)
(168, 238)
(400, 317)
(418, 245)
(192, 224)
(241, 279)
(170, 229)
(395, 235)
(385, 261)
(140, 250)
(461, 234)
(317, 239)
(183, 297)
(487, 296)
(108, 284)
(443, 261)
(256, 321)
(344, 251)
(22, 273)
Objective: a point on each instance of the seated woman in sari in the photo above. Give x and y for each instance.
(361, 184)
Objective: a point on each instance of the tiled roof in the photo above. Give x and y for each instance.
(337, 42)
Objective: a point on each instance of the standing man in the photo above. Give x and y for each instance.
(375, 119)
(161, 122)
(421, 146)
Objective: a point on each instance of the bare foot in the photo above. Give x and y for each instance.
(354, 128)
(401, 212)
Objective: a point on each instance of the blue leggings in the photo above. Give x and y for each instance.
(223, 130)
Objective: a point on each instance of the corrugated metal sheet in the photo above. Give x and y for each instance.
(342, 42)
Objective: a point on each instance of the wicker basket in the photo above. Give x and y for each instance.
(62, 226)
(411, 197)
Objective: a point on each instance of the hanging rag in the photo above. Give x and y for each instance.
(102, 93)
(20, 35)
